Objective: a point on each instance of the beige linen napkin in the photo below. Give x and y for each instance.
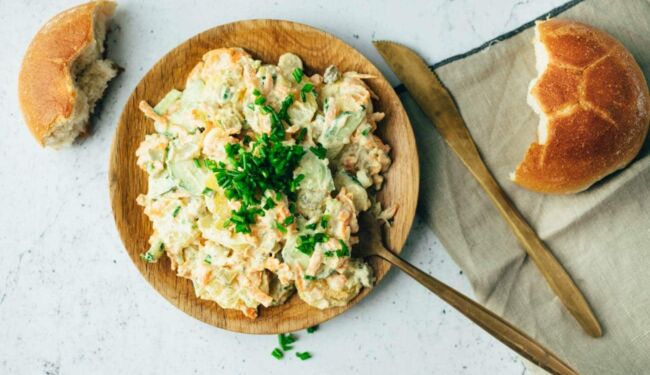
(601, 236)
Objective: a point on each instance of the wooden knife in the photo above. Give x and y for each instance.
(439, 106)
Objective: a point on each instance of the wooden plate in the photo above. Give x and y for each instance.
(265, 40)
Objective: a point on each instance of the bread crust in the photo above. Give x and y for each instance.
(596, 101)
(46, 87)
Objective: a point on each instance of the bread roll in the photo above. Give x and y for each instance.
(593, 104)
(63, 74)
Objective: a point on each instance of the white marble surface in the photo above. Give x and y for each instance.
(71, 302)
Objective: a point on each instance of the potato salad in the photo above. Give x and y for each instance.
(256, 175)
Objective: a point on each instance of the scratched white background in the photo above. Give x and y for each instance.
(71, 302)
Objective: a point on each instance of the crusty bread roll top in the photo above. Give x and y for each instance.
(594, 108)
(63, 73)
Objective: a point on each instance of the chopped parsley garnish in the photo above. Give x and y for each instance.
(301, 135)
(308, 87)
(284, 108)
(269, 204)
(319, 151)
(175, 213)
(207, 191)
(324, 221)
(197, 163)
(266, 164)
(256, 92)
(297, 75)
(344, 251)
(303, 355)
(243, 218)
(208, 259)
(289, 220)
(296, 182)
(312, 329)
(210, 164)
(277, 353)
(307, 242)
(260, 100)
(311, 226)
(365, 132)
(281, 227)
(309, 277)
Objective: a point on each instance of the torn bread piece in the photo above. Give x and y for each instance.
(594, 108)
(63, 73)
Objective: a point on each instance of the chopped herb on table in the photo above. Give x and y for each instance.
(303, 355)
(285, 340)
(277, 353)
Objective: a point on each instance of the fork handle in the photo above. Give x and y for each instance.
(490, 322)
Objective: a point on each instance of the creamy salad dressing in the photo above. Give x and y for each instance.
(241, 254)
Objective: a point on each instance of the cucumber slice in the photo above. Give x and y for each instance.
(189, 176)
(170, 98)
(338, 133)
(316, 185)
(359, 193)
(193, 92)
(154, 253)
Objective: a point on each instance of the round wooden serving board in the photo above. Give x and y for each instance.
(265, 40)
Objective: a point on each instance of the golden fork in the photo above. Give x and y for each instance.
(371, 244)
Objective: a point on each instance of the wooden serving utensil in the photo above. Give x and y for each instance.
(439, 106)
(371, 244)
